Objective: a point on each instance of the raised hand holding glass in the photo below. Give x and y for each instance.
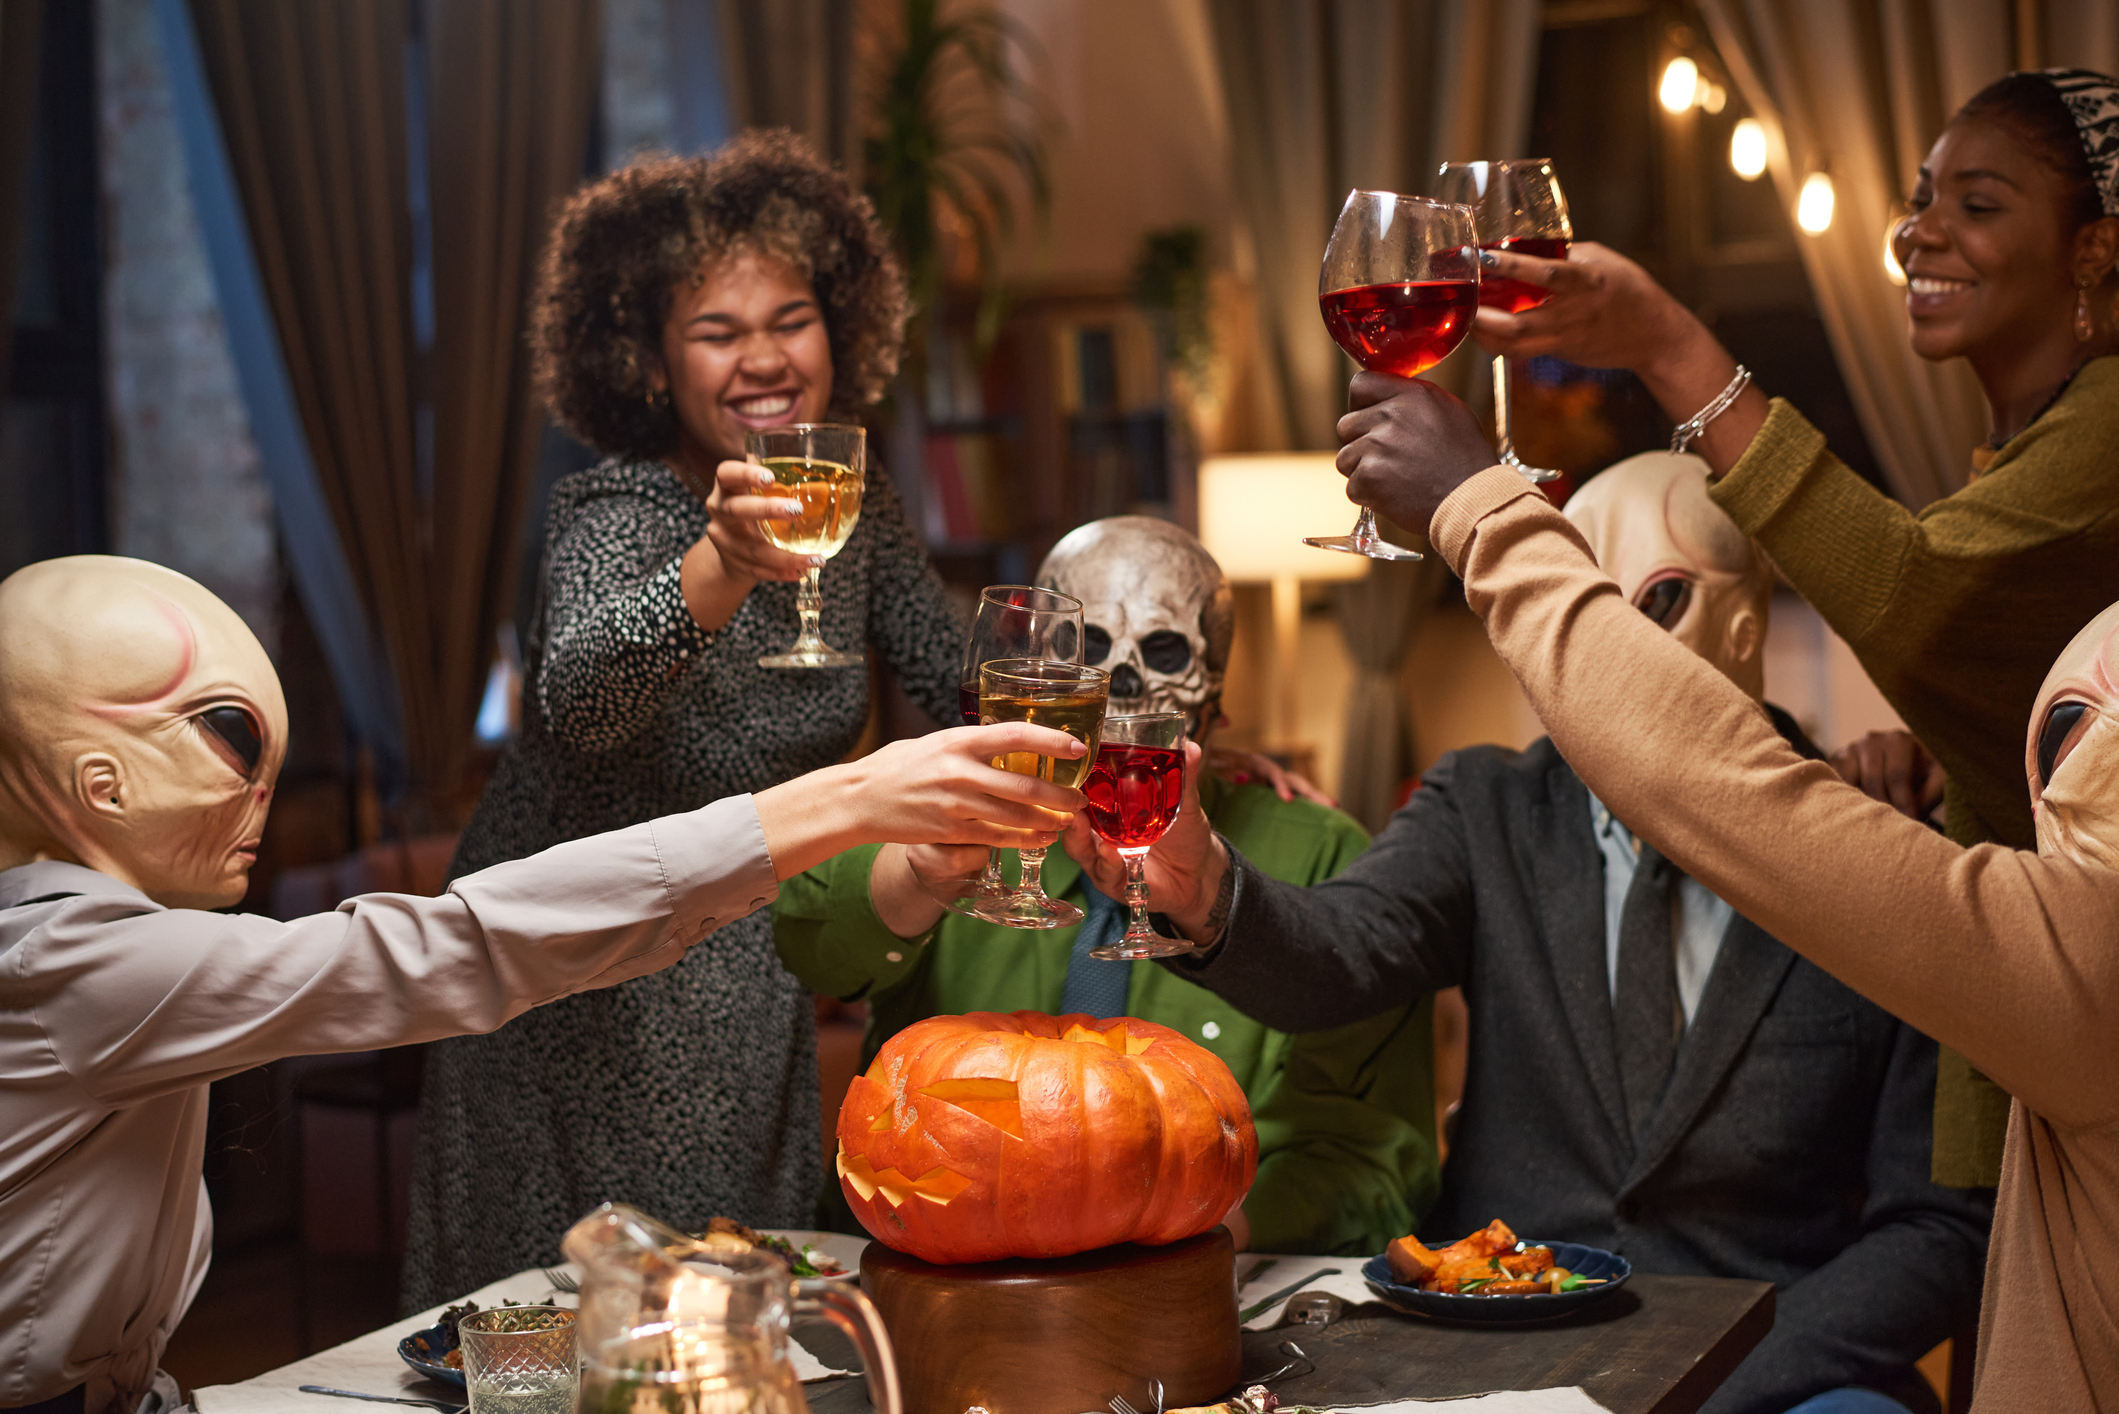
(1072, 699)
(824, 466)
(1134, 792)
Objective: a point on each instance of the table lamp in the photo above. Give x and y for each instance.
(1252, 510)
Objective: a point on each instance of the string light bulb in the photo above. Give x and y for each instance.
(1893, 271)
(1813, 206)
(1681, 82)
(1747, 149)
(1713, 97)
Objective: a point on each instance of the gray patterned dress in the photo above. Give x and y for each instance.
(692, 1092)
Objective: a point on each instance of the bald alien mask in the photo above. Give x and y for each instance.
(141, 728)
(1157, 613)
(2072, 754)
(1680, 560)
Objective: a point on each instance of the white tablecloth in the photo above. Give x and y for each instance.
(370, 1363)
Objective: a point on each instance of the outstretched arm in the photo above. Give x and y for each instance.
(2005, 956)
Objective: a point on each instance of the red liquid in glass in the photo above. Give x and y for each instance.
(1133, 793)
(967, 702)
(1515, 296)
(1404, 328)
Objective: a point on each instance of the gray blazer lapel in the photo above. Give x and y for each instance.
(1747, 973)
(1570, 877)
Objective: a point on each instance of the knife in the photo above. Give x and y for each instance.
(385, 1398)
(1259, 1308)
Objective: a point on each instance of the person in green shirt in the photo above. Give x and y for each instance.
(1345, 1117)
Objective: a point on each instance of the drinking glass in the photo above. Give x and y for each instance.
(1134, 792)
(1517, 205)
(1398, 286)
(1066, 696)
(1013, 621)
(824, 466)
(520, 1360)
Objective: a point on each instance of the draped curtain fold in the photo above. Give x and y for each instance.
(21, 49)
(791, 65)
(1324, 95)
(514, 83)
(1860, 89)
(312, 101)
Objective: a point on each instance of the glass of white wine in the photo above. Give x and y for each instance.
(824, 466)
(1065, 696)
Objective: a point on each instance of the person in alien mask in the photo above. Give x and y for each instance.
(141, 731)
(2011, 957)
(1345, 1118)
(1651, 1071)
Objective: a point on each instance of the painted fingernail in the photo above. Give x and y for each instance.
(793, 508)
(815, 562)
(1489, 260)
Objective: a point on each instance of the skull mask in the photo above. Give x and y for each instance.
(2072, 751)
(1157, 612)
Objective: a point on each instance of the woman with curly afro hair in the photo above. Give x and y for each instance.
(682, 302)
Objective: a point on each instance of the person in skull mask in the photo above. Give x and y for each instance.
(142, 729)
(1650, 1071)
(1345, 1117)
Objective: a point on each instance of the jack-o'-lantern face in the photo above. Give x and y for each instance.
(977, 1137)
(2072, 752)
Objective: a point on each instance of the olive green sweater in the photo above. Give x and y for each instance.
(1956, 613)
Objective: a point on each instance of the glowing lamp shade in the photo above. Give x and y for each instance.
(1747, 149)
(1681, 82)
(1813, 207)
(1254, 511)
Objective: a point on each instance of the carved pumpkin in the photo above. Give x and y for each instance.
(973, 1138)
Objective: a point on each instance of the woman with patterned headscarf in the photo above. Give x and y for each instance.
(1955, 611)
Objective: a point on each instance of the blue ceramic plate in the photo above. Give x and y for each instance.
(428, 1361)
(1504, 1310)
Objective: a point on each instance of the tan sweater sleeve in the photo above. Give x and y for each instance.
(2004, 955)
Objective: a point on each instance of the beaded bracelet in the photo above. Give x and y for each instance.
(1682, 435)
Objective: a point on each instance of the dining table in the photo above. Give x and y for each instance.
(1656, 1345)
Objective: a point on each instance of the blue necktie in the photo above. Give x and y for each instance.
(1093, 985)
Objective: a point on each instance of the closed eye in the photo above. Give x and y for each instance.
(238, 731)
(2060, 722)
(1665, 601)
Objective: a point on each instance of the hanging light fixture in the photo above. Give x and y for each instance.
(1681, 82)
(1747, 149)
(1813, 207)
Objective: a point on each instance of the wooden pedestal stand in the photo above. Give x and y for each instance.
(1063, 1334)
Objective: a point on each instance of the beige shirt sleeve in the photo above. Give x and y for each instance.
(138, 1001)
(2009, 957)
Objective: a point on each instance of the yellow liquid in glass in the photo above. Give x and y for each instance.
(831, 504)
(1078, 714)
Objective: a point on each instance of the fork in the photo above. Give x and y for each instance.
(562, 1281)
(434, 1404)
(1119, 1404)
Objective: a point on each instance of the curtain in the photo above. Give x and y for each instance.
(1324, 95)
(1860, 89)
(312, 101)
(791, 65)
(21, 34)
(514, 83)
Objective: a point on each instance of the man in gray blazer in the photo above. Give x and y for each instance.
(1649, 1072)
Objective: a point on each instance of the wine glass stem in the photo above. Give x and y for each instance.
(1136, 890)
(809, 605)
(1503, 430)
(1365, 526)
(1031, 880)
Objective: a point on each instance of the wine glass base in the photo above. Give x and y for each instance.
(1362, 545)
(814, 658)
(1132, 949)
(1017, 910)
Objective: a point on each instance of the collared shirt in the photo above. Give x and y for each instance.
(1697, 918)
(116, 1013)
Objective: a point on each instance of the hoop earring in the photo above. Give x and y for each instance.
(2085, 327)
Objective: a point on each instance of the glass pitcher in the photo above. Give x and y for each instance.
(671, 1326)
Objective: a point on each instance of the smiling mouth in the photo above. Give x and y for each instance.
(762, 407)
(1929, 285)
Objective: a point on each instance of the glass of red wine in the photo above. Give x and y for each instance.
(1133, 794)
(1012, 621)
(1399, 283)
(1518, 206)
